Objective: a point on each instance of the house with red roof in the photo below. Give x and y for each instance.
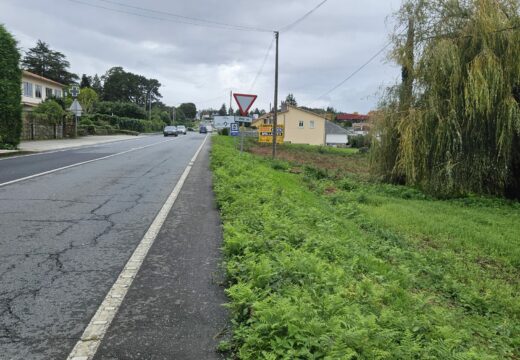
(353, 118)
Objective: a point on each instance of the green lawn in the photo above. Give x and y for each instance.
(324, 265)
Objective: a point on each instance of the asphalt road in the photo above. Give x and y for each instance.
(65, 236)
(173, 310)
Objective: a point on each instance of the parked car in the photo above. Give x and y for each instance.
(170, 130)
(181, 129)
(203, 129)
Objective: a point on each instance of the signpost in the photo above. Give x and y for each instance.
(244, 102)
(75, 108)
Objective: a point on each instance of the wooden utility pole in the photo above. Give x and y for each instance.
(230, 101)
(275, 111)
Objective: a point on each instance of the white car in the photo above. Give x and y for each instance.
(181, 129)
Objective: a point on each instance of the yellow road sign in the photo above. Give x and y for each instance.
(265, 134)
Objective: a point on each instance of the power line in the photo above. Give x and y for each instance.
(356, 71)
(180, 19)
(390, 43)
(203, 21)
(293, 24)
(263, 64)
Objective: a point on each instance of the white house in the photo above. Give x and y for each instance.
(335, 135)
(36, 89)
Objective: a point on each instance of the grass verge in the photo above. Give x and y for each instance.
(328, 267)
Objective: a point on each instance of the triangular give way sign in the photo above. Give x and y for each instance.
(244, 101)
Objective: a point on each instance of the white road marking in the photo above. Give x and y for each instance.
(80, 163)
(89, 342)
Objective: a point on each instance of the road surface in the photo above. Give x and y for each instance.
(66, 235)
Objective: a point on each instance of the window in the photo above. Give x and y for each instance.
(48, 93)
(38, 91)
(27, 89)
(311, 124)
(300, 124)
(57, 93)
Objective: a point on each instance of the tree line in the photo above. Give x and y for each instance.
(117, 92)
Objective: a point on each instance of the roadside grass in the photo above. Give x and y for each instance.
(323, 265)
(335, 161)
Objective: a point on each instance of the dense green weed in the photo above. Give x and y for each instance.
(327, 268)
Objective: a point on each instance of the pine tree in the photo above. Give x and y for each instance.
(291, 100)
(85, 81)
(45, 62)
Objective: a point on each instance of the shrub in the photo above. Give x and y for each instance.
(359, 141)
(224, 132)
(49, 110)
(122, 109)
(10, 91)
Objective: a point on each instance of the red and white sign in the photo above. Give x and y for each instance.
(244, 101)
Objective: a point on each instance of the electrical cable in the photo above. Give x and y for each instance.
(260, 71)
(203, 21)
(355, 72)
(199, 23)
(293, 24)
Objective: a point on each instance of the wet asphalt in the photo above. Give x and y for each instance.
(65, 236)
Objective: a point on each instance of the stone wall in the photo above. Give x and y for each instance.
(34, 129)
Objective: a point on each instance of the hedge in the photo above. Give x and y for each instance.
(10, 91)
(123, 123)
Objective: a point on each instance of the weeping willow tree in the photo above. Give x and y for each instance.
(453, 125)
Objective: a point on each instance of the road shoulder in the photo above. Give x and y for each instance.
(174, 307)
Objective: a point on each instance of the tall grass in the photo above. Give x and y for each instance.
(365, 271)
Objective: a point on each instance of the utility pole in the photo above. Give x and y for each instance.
(230, 103)
(275, 114)
(150, 105)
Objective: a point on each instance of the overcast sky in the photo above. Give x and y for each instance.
(201, 64)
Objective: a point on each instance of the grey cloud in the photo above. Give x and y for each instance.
(198, 63)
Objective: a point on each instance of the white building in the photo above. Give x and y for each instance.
(335, 135)
(36, 89)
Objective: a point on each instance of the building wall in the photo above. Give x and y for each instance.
(30, 85)
(337, 139)
(306, 134)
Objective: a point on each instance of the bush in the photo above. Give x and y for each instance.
(10, 91)
(360, 141)
(49, 110)
(224, 132)
(122, 109)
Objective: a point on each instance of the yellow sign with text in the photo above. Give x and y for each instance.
(265, 134)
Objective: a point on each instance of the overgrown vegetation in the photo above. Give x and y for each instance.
(102, 124)
(323, 265)
(453, 125)
(10, 91)
(49, 112)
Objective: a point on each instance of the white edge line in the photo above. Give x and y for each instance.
(78, 147)
(78, 164)
(89, 342)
